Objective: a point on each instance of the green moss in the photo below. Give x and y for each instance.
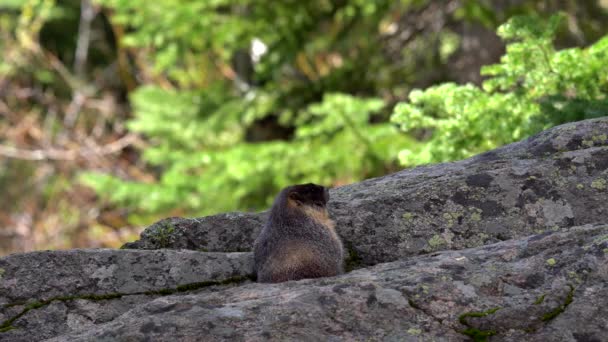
(449, 220)
(539, 300)
(436, 241)
(353, 260)
(482, 237)
(580, 186)
(463, 318)
(1, 272)
(101, 297)
(600, 239)
(414, 331)
(599, 184)
(8, 324)
(162, 236)
(453, 217)
(203, 284)
(407, 216)
(476, 334)
(10, 305)
(575, 277)
(37, 305)
(555, 312)
(413, 304)
(476, 217)
(551, 261)
(7, 328)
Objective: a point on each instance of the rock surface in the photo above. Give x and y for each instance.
(45, 275)
(556, 179)
(511, 245)
(43, 294)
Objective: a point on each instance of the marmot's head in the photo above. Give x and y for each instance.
(307, 195)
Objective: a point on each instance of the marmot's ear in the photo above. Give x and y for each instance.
(326, 195)
(294, 196)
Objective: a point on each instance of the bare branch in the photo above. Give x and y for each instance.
(71, 115)
(87, 14)
(58, 154)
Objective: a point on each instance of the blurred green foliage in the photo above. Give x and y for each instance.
(533, 87)
(234, 99)
(204, 127)
(232, 142)
(206, 163)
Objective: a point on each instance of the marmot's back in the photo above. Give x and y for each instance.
(299, 240)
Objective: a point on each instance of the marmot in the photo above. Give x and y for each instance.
(299, 240)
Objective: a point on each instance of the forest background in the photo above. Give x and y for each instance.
(116, 113)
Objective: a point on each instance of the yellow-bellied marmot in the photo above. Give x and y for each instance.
(299, 240)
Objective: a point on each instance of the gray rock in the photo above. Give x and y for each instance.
(227, 232)
(556, 179)
(51, 292)
(511, 245)
(548, 287)
(50, 274)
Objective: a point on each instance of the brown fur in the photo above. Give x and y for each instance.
(293, 258)
(291, 203)
(299, 240)
(321, 216)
